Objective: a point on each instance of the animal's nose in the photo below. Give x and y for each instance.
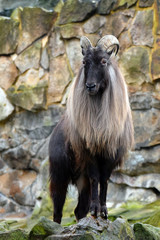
(90, 86)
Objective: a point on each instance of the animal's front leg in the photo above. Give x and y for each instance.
(103, 194)
(94, 179)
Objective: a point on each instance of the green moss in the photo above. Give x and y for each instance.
(146, 232)
(154, 220)
(14, 235)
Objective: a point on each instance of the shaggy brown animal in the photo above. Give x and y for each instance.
(95, 134)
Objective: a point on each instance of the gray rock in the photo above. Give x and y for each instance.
(70, 12)
(29, 58)
(45, 59)
(59, 78)
(119, 229)
(149, 181)
(144, 3)
(119, 193)
(155, 65)
(74, 54)
(120, 20)
(94, 24)
(146, 231)
(142, 162)
(31, 98)
(56, 45)
(71, 30)
(105, 7)
(141, 30)
(6, 108)
(43, 228)
(32, 28)
(141, 101)
(148, 133)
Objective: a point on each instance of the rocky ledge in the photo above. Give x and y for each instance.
(86, 229)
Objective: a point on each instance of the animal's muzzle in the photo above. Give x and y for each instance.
(91, 87)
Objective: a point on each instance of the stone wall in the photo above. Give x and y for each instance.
(39, 57)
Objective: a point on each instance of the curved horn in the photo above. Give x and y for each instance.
(85, 44)
(109, 43)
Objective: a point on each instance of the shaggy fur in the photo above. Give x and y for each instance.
(94, 135)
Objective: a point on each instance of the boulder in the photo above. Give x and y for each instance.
(29, 58)
(6, 108)
(59, 78)
(8, 72)
(8, 35)
(35, 23)
(145, 231)
(134, 64)
(70, 11)
(141, 30)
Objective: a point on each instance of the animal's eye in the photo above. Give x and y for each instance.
(103, 61)
(84, 62)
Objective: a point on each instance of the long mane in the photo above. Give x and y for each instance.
(100, 123)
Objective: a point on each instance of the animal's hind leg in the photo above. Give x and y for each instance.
(84, 198)
(58, 195)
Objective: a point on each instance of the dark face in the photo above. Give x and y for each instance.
(95, 64)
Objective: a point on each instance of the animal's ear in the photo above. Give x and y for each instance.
(85, 44)
(110, 44)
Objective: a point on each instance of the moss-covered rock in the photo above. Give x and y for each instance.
(9, 32)
(125, 3)
(104, 7)
(71, 30)
(29, 58)
(141, 30)
(35, 22)
(76, 11)
(154, 220)
(14, 235)
(30, 98)
(146, 232)
(155, 65)
(118, 230)
(44, 228)
(134, 64)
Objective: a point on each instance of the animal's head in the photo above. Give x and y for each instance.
(96, 61)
